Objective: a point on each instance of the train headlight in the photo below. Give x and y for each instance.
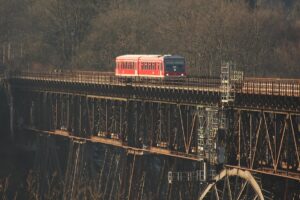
(181, 74)
(167, 74)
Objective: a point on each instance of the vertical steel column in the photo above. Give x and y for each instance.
(73, 114)
(124, 176)
(86, 117)
(131, 176)
(45, 112)
(51, 114)
(239, 138)
(251, 137)
(39, 109)
(68, 123)
(130, 123)
(121, 134)
(56, 111)
(138, 123)
(92, 119)
(144, 124)
(169, 125)
(80, 115)
(65, 111)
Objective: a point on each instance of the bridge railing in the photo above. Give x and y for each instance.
(68, 76)
(269, 86)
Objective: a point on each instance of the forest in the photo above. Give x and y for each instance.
(261, 37)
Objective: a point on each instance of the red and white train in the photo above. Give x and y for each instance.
(156, 66)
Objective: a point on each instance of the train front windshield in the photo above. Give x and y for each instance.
(175, 65)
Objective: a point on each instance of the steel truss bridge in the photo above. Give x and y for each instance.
(193, 138)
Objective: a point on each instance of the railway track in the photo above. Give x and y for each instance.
(250, 85)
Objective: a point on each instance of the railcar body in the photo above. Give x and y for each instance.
(156, 66)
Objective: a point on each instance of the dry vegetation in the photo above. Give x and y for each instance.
(263, 39)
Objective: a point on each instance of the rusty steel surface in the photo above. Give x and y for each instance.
(120, 144)
(269, 171)
(148, 117)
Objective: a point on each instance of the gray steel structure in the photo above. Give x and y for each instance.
(184, 125)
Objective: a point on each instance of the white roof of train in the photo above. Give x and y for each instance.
(146, 56)
(138, 56)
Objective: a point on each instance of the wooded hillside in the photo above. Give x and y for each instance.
(261, 37)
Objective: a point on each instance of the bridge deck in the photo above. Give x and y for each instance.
(261, 86)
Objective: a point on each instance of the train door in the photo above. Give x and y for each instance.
(160, 68)
(135, 65)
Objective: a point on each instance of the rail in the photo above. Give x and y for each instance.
(260, 86)
(110, 79)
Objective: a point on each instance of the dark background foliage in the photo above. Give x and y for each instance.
(262, 37)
